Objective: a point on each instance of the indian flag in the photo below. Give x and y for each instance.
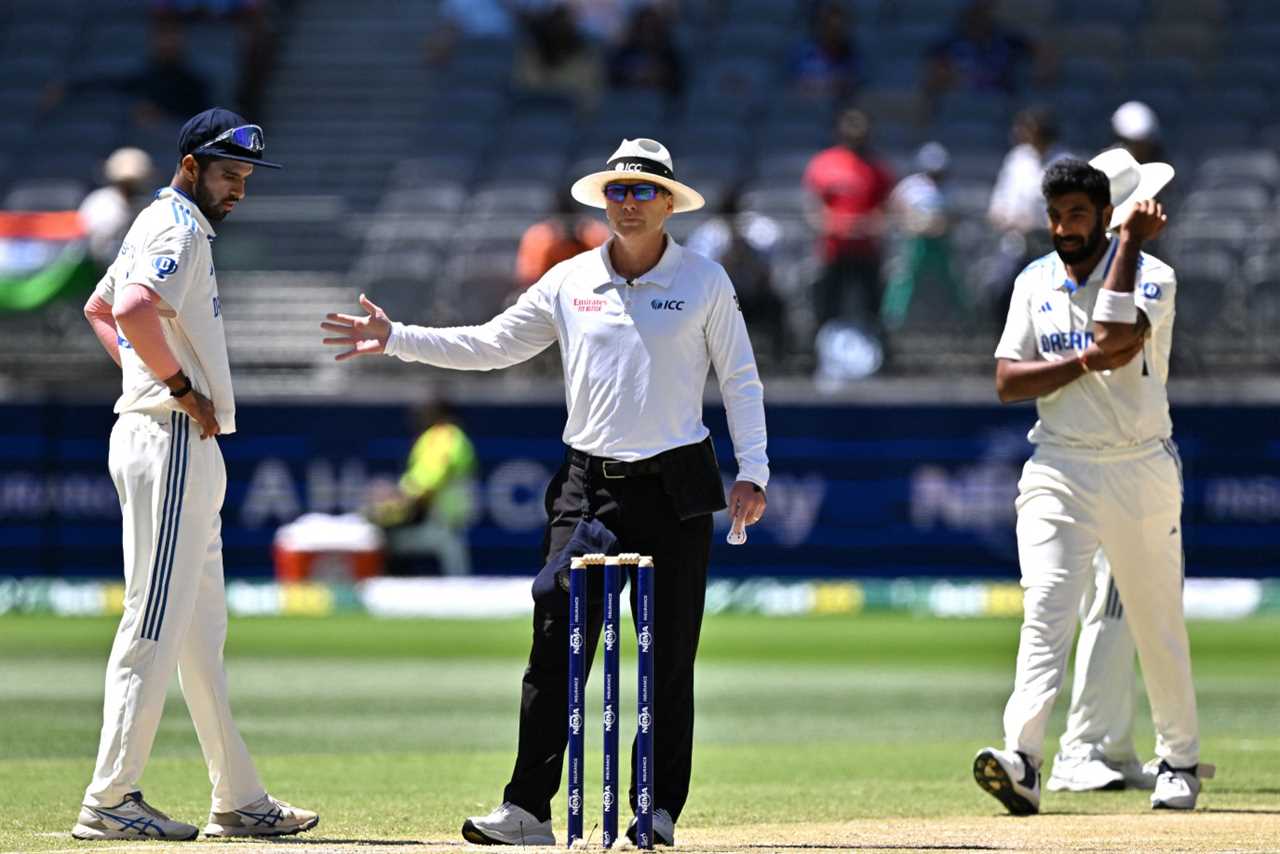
(42, 255)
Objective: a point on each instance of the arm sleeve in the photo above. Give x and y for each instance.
(161, 266)
(1154, 292)
(138, 316)
(519, 333)
(1018, 341)
(740, 386)
(98, 312)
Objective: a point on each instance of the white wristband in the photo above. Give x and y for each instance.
(1115, 307)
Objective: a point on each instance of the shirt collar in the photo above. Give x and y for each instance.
(663, 273)
(170, 192)
(1099, 273)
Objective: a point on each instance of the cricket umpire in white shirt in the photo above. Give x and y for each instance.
(158, 315)
(638, 321)
(1088, 336)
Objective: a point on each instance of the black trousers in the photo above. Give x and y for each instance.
(640, 514)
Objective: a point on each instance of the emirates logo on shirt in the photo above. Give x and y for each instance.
(593, 304)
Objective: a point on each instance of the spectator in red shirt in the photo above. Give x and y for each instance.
(850, 187)
(564, 234)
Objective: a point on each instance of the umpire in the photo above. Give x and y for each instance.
(639, 321)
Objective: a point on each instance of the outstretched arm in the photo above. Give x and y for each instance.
(521, 332)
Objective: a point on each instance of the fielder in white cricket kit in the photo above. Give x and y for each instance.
(1088, 336)
(157, 313)
(1097, 750)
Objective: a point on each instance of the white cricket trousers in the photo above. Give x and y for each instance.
(1100, 722)
(1129, 504)
(171, 485)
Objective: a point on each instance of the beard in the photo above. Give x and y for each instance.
(1074, 253)
(209, 204)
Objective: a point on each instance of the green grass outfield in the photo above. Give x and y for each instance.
(397, 730)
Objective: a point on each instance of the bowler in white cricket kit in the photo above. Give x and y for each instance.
(157, 313)
(1088, 337)
(1097, 750)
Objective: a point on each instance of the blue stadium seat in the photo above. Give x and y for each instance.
(1238, 200)
(46, 194)
(1239, 167)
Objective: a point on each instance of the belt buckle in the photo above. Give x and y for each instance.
(604, 470)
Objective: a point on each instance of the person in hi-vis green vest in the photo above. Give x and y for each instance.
(434, 506)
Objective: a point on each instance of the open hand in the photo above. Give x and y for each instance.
(361, 336)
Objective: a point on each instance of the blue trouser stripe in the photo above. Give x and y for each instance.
(168, 528)
(162, 533)
(184, 427)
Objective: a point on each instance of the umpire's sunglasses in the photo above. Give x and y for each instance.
(644, 192)
(247, 137)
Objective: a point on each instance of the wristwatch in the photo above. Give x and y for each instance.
(181, 390)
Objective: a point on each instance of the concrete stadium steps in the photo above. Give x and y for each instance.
(273, 319)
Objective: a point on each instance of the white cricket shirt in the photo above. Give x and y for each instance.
(635, 354)
(1050, 319)
(168, 249)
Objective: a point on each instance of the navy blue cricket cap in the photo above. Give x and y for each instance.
(225, 135)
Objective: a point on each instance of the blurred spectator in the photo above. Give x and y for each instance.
(1017, 203)
(919, 210)
(467, 19)
(108, 211)
(429, 513)
(648, 57)
(1017, 208)
(849, 187)
(569, 231)
(742, 242)
(257, 35)
(979, 54)
(165, 88)
(827, 63)
(1137, 128)
(603, 21)
(555, 59)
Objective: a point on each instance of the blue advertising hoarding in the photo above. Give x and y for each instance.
(859, 490)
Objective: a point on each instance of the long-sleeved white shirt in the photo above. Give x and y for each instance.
(635, 354)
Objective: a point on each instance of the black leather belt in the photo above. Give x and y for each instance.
(615, 469)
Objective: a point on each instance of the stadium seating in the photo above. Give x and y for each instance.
(419, 178)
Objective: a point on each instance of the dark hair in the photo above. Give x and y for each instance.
(1069, 175)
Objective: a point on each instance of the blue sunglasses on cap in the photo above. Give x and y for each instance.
(247, 137)
(644, 192)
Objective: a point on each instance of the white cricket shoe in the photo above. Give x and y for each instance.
(508, 825)
(1010, 778)
(664, 829)
(264, 817)
(1084, 772)
(132, 818)
(1137, 775)
(1178, 788)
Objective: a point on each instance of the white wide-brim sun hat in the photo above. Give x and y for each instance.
(638, 160)
(1131, 181)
